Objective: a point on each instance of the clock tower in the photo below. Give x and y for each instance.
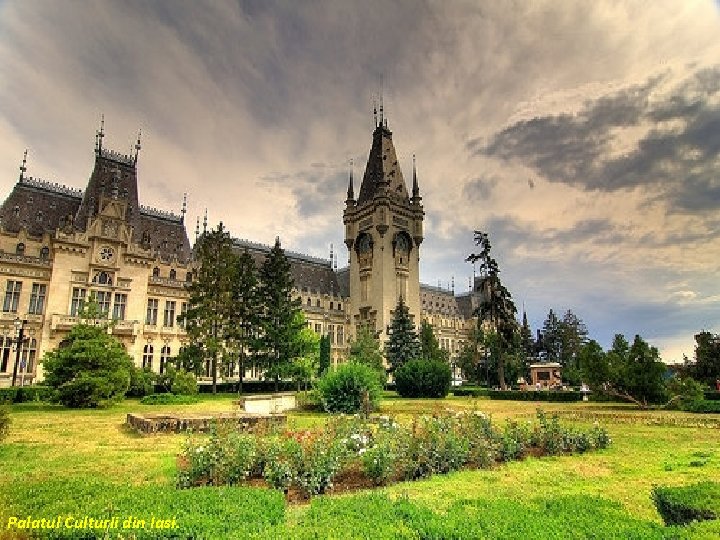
(383, 233)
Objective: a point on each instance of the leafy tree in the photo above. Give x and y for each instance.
(90, 368)
(211, 304)
(402, 345)
(573, 335)
(142, 382)
(190, 359)
(634, 373)
(246, 306)
(496, 304)
(365, 349)
(707, 357)
(551, 338)
(305, 352)
(349, 388)
(471, 359)
(324, 360)
(279, 324)
(429, 345)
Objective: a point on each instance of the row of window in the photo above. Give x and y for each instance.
(172, 274)
(335, 338)
(12, 297)
(148, 353)
(318, 303)
(151, 315)
(28, 351)
(44, 251)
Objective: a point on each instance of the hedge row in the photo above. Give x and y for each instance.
(22, 394)
(682, 505)
(470, 391)
(236, 512)
(249, 387)
(702, 406)
(712, 395)
(535, 395)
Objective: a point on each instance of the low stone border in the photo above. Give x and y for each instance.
(198, 423)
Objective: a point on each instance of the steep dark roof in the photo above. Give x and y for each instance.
(168, 237)
(39, 206)
(382, 173)
(309, 273)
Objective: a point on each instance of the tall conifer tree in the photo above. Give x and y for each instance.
(403, 344)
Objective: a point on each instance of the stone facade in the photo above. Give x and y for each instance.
(60, 245)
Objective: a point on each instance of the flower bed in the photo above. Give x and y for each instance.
(358, 453)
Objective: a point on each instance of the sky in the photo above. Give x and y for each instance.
(584, 137)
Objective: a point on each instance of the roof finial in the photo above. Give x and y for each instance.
(453, 284)
(23, 167)
(197, 229)
(205, 222)
(100, 134)
(335, 263)
(331, 253)
(137, 146)
(415, 188)
(374, 111)
(351, 190)
(183, 211)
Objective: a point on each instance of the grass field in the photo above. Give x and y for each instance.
(50, 444)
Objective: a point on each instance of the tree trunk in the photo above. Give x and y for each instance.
(242, 371)
(501, 372)
(213, 366)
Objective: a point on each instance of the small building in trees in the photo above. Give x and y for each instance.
(545, 376)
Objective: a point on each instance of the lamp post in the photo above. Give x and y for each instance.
(19, 338)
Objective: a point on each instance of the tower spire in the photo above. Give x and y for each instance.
(415, 188)
(23, 167)
(197, 229)
(351, 190)
(205, 222)
(332, 255)
(137, 147)
(183, 211)
(99, 135)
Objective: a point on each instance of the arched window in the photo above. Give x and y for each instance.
(173, 274)
(339, 306)
(20, 249)
(164, 358)
(147, 356)
(309, 302)
(332, 305)
(45, 253)
(188, 277)
(156, 272)
(317, 303)
(103, 278)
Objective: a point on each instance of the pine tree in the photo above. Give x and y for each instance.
(551, 338)
(244, 317)
(496, 305)
(210, 303)
(403, 344)
(278, 318)
(325, 360)
(429, 345)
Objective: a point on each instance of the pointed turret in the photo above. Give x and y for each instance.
(415, 188)
(350, 201)
(382, 173)
(23, 167)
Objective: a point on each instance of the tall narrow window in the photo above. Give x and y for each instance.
(182, 321)
(27, 362)
(331, 334)
(20, 249)
(78, 301)
(164, 358)
(340, 335)
(103, 299)
(6, 345)
(147, 356)
(12, 296)
(173, 273)
(45, 253)
(37, 299)
(169, 315)
(152, 311)
(318, 328)
(119, 306)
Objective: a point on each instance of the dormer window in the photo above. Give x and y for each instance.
(45, 253)
(39, 217)
(20, 249)
(156, 272)
(172, 273)
(16, 211)
(103, 278)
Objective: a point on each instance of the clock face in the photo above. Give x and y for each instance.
(106, 254)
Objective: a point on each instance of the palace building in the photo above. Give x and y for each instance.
(60, 245)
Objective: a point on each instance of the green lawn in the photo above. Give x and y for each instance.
(49, 444)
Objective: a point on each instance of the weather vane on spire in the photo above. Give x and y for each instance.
(100, 134)
(183, 211)
(137, 146)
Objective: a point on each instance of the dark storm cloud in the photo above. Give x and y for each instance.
(678, 159)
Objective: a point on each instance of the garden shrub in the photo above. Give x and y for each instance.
(703, 406)
(92, 369)
(142, 382)
(471, 392)
(9, 394)
(342, 390)
(34, 393)
(713, 395)
(423, 379)
(169, 399)
(534, 395)
(184, 383)
(279, 463)
(4, 421)
(211, 512)
(681, 505)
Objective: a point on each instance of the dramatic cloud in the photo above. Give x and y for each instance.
(584, 137)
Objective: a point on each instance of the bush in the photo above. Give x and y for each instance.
(91, 369)
(169, 399)
(142, 382)
(703, 406)
(9, 394)
(712, 395)
(343, 390)
(470, 391)
(681, 505)
(34, 393)
(184, 383)
(4, 421)
(684, 392)
(423, 378)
